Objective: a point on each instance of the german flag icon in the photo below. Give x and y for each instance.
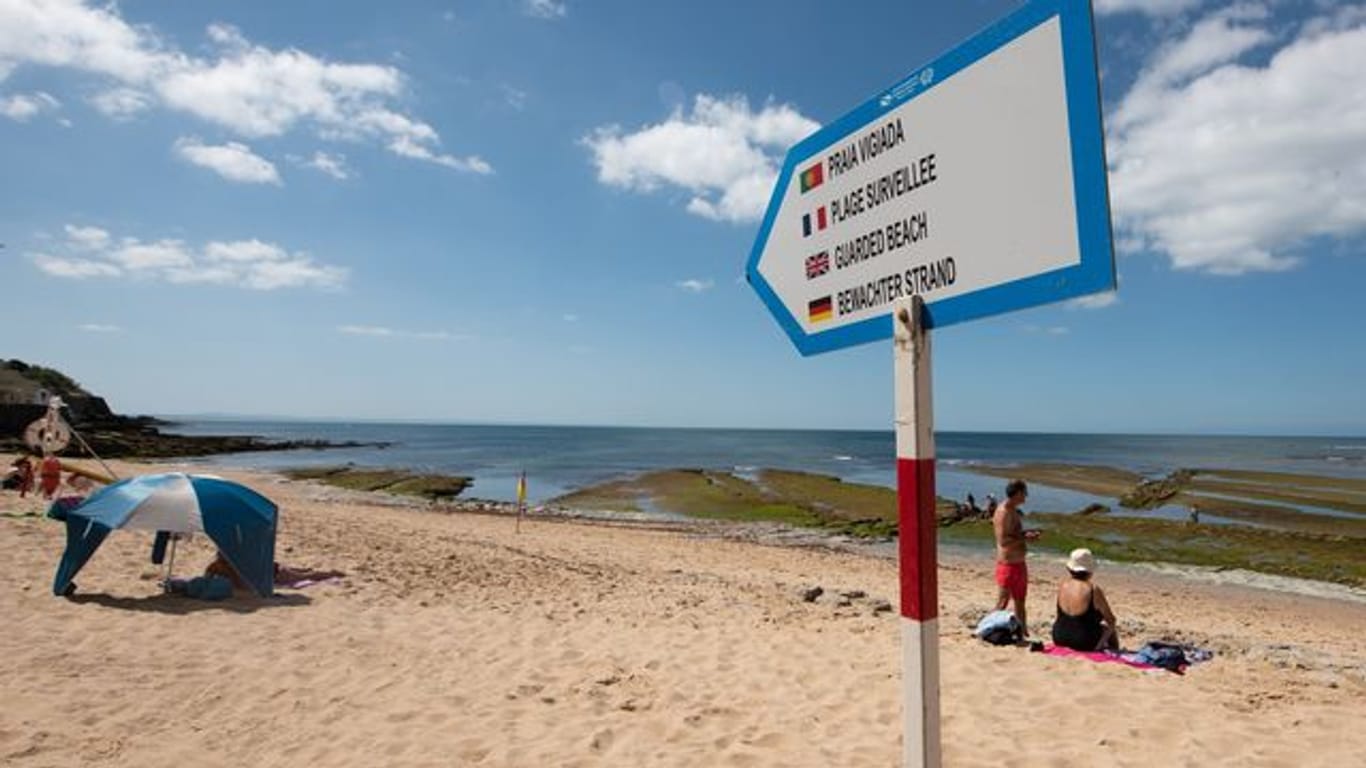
(820, 310)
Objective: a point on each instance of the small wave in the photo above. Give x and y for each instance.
(1347, 447)
(842, 457)
(744, 468)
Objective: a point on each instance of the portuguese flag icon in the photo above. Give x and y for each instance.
(820, 310)
(812, 177)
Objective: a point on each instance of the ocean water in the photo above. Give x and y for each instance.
(560, 459)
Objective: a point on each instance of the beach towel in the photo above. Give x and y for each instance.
(1153, 655)
(298, 578)
(1127, 659)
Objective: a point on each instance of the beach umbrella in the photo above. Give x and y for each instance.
(239, 521)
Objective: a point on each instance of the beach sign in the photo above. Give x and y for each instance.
(973, 187)
(977, 183)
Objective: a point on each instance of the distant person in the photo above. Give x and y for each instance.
(991, 504)
(221, 567)
(20, 477)
(50, 476)
(1195, 514)
(1012, 574)
(972, 505)
(1085, 621)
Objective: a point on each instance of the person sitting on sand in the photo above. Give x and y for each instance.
(1085, 621)
(221, 567)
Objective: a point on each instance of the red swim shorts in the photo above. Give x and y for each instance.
(1014, 578)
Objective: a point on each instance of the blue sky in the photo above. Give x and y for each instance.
(539, 212)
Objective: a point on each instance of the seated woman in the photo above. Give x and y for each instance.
(221, 567)
(1085, 621)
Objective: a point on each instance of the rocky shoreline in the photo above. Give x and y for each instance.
(141, 437)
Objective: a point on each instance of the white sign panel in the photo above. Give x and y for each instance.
(978, 183)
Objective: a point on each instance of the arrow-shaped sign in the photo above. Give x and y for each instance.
(977, 183)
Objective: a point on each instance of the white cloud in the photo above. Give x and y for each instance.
(407, 147)
(136, 256)
(693, 285)
(22, 107)
(333, 165)
(299, 271)
(1229, 168)
(244, 251)
(724, 153)
(121, 103)
(365, 330)
(99, 328)
(232, 161)
(251, 264)
(74, 268)
(86, 238)
(1095, 301)
(378, 331)
(1150, 7)
(514, 97)
(249, 89)
(545, 9)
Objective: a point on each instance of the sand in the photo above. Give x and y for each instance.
(455, 641)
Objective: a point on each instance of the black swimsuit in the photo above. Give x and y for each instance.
(1080, 633)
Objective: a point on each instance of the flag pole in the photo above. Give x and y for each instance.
(521, 500)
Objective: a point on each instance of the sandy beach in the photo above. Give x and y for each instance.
(454, 640)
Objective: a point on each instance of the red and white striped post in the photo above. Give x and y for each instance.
(916, 521)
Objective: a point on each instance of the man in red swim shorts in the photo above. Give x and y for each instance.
(1012, 574)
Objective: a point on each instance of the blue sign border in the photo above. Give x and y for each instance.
(1096, 272)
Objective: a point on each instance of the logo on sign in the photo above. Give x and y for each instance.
(817, 265)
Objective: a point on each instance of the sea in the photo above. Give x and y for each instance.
(560, 459)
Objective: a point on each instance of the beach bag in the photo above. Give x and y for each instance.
(1000, 628)
(1164, 655)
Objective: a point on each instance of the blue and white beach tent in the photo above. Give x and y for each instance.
(239, 521)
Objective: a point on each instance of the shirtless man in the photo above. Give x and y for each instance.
(1012, 575)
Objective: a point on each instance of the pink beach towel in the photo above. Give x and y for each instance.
(1097, 656)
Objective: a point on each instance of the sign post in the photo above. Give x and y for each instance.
(975, 186)
(916, 539)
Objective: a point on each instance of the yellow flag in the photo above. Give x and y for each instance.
(521, 489)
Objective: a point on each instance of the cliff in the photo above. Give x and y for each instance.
(24, 393)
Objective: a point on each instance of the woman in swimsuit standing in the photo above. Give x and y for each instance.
(1085, 621)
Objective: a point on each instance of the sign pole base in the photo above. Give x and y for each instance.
(916, 539)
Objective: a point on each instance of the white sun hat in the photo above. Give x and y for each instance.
(1081, 561)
